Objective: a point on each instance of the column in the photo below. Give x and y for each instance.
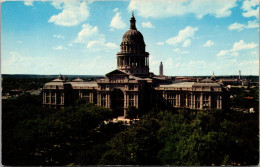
(125, 100)
(194, 101)
(137, 106)
(125, 103)
(218, 102)
(55, 97)
(90, 97)
(109, 101)
(43, 96)
(98, 99)
(201, 100)
(179, 103)
(164, 95)
(209, 101)
(134, 101)
(191, 100)
(62, 98)
(186, 100)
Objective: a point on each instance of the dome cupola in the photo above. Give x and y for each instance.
(133, 58)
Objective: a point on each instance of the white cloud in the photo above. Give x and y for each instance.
(253, 24)
(177, 50)
(250, 8)
(183, 35)
(186, 43)
(147, 24)
(93, 39)
(60, 47)
(73, 13)
(58, 4)
(98, 45)
(240, 27)
(236, 26)
(70, 44)
(209, 43)
(115, 10)
(241, 45)
(58, 36)
(87, 33)
(19, 42)
(222, 53)
(28, 3)
(168, 8)
(117, 22)
(160, 43)
(237, 46)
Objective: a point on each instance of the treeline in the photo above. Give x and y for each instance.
(34, 82)
(23, 84)
(82, 135)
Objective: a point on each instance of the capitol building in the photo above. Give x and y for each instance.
(133, 85)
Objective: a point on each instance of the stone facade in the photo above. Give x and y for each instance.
(131, 84)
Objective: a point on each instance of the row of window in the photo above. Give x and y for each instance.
(185, 100)
(104, 100)
(125, 48)
(133, 61)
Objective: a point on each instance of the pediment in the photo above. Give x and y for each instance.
(116, 72)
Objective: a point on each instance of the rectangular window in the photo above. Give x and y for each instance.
(58, 98)
(103, 99)
(53, 97)
(205, 101)
(47, 99)
(171, 98)
(131, 100)
(103, 87)
(188, 100)
(197, 101)
(86, 96)
(183, 100)
(131, 87)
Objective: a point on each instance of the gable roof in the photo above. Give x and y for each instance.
(116, 72)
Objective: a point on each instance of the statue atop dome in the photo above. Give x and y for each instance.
(132, 22)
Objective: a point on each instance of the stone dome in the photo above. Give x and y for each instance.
(133, 40)
(133, 36)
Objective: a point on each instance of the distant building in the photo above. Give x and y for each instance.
(132, 84)
(161, 69)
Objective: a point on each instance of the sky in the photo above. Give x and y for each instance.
(190, 37)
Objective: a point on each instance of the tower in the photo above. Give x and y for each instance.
(239, 77)
(161, 69)
(132, 58)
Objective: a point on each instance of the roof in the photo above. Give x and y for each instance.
(207, 81)
(78, 80)
(118, 72)
(206, 84)
(178, 85)
(84, 84)
(57, 80)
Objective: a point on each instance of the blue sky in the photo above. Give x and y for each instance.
(190, 37)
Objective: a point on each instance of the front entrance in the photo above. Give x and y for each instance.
(117, 101)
